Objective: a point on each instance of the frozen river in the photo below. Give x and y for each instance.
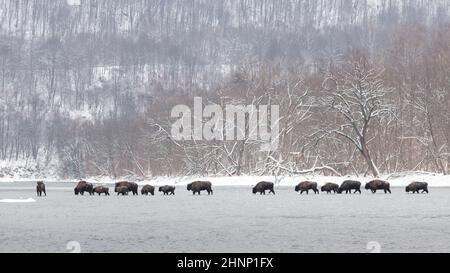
(232, 220)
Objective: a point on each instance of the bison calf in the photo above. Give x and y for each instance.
(167, 190)
(101, 189)
(262, 187)
(148, 189)
(307, 186)
(415, 187)
(330, 187)
(122, 190)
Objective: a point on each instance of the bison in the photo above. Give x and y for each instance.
(101, 189)
(40, 188)
(199, 186)
(307, 186)
(148, 189)
(84, 186)
(330, 187)
(167, 190)
(415, 187)
(378, 185)
(124, 190)
(350, 185)
(133, 187)
(262, 187)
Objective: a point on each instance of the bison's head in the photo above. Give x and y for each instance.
(76, 191)
(254, 190)
(297, 188)
(407, 189)
(339, 190)
(189, 186)
(160, 189)
(367, 186)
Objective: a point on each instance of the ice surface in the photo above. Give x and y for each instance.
(28, 200)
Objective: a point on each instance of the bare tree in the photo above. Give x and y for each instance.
(356, 94)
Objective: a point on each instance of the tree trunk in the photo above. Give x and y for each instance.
(372, 166)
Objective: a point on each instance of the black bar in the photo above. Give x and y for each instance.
(227, 262)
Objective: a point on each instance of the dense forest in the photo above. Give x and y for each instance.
(87, 86)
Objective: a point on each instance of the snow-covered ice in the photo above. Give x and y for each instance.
(28, 200)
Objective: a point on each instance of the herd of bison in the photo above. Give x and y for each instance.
(124, 188)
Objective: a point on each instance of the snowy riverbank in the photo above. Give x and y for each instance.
(396, 180)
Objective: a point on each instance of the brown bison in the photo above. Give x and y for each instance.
(148, 189)
(40, 188)
(124, 190)
(415, 187)
(306, 186)
(133, 187)
(378, 185)
(348, 186)
(84, 186)
(167, 190)
(101, 189)
(199, 186)
(330, 187)
(262, 187)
